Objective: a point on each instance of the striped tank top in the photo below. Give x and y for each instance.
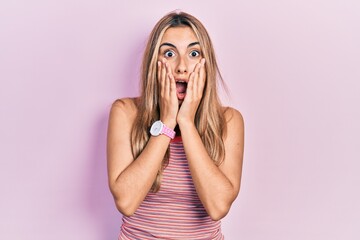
(175, 211)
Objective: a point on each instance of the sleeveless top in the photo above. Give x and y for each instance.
(175, 211)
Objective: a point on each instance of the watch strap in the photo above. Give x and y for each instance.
(168, 131)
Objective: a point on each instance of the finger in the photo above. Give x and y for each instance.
(168, 68)
(202, 75)
(163, 77)
(197, 67)
(160, 78)
(171, 76)
(202, 69)
(163, 70)
(158, 71)
(172, 85)
(190, 85)
(165, 82)
(195, 78)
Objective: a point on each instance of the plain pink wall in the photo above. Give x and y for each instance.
(293, 68)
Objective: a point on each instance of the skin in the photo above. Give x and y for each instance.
(180, 60)
(130, 180)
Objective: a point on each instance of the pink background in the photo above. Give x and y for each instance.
(293, 68)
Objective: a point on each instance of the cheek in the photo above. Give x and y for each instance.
(192, 65)
(172, 66)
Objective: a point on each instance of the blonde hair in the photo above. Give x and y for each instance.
(209, 118)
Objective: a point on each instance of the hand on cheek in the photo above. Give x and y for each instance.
(167, 97)
(194, 93)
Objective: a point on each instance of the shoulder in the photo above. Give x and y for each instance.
(233, 116)
(124, 108)
(234, 122)
(126, 105)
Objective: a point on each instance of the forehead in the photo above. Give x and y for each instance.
(179, 35)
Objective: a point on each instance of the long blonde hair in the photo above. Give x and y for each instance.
(209, 118)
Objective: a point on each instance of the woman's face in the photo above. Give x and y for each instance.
(181, 49)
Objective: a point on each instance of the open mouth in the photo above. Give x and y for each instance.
(181, 86)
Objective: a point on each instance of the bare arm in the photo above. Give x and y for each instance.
(217, 187)
(130, 180)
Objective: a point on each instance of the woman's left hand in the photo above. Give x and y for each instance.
(194, 93)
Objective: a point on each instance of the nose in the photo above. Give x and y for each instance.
(181, 66)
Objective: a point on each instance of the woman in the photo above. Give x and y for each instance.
(175, 153)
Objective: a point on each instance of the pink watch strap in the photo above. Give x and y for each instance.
(168, 132)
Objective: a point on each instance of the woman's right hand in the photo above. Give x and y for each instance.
(169, 105)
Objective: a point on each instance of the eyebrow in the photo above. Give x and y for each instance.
(172, 45)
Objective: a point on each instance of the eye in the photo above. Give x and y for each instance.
(169, 54)
(194, 53)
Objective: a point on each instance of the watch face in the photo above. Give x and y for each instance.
(156, 128)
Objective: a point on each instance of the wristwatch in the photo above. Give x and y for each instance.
(158, 128)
